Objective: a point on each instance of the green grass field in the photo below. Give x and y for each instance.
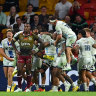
(49, 94)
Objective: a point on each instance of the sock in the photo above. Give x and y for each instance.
(65, 83)
(55, 88)
(37, 87)
(43, 86)
(19, 78)
(59, 87)
(85, 86)
(73, 85)
(94, 81)
(28, 81)
(8, 87)
(12, 83)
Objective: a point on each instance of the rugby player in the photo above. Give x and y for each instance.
(64, 31)
(9, 61)
(26, 40)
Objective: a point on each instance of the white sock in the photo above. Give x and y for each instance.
(37, 87)
(94, 81)
(73, 85)
(55, 88)
(85, 86)
(65, 83)
(8, 87)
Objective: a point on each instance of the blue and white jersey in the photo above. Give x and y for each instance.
(86, 48)
(8, 48)
(64, 29)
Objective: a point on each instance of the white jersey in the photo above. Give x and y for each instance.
(86, 48)
(50, 50)
(94, 50)
(64, 29)
(8, 48)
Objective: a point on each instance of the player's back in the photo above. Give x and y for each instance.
(85, 45)
(66, 30)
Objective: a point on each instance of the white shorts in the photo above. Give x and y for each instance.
(60, 62)
(85, 63)
(7, 63)
(70, 41)
(37, 63)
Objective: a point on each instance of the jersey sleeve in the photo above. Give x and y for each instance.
(58, 29)
(16, 36)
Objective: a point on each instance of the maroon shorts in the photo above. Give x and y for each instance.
(25, 59)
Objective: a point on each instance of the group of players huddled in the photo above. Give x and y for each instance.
(33, 52)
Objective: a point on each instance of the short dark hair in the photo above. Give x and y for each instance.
(1, 5)
(18, 18)
(9, 30)
(29, 5)
(43, 7)
(82, 32)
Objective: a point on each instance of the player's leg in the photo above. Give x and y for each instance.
(5, 71)
(10, 79)
(20, 65)
(28, 72)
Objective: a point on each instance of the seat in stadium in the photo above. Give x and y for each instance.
(2, 1)
(4, 33)
(89, 22)
(86, 14)
(21, 13)
(92, 15)
(7, 13)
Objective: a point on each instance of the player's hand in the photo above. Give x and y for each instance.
(59, 54)
(10, 59)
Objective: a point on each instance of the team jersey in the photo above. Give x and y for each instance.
(64, 29)
(8, 48)
(25, 42)
(50, 50)
(59, 47)
(94, 50)
(86, 48)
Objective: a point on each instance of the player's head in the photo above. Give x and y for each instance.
(81, 34)
(9, 33)
(53, 20)
(27, 27)
(35, 30)
(88, 31)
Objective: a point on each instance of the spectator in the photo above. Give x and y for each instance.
(29, 14)
(67, 21)
(62, 9)
(9, 3)
(2, 19)
(11, 18)
(78, 24)
(43, 16)
(76, 9)
(35, 3)
(20, 24)
(36, 22)
(24, 19)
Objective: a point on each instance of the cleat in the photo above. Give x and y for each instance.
(18, 90)
(13, 87)
(8, 89)
(75, 88)
(27, 90)
(68, 67)
(60, 90)
(40, 90)
(53, 91)
(30, 86)
(14, 72)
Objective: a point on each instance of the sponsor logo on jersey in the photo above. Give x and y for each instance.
(25, 44)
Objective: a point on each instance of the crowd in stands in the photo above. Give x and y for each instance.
(72, 13)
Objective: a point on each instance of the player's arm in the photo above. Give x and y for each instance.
(62, 50)
(15, 38)
(94, 45)
(3, 53)
(59, 35)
